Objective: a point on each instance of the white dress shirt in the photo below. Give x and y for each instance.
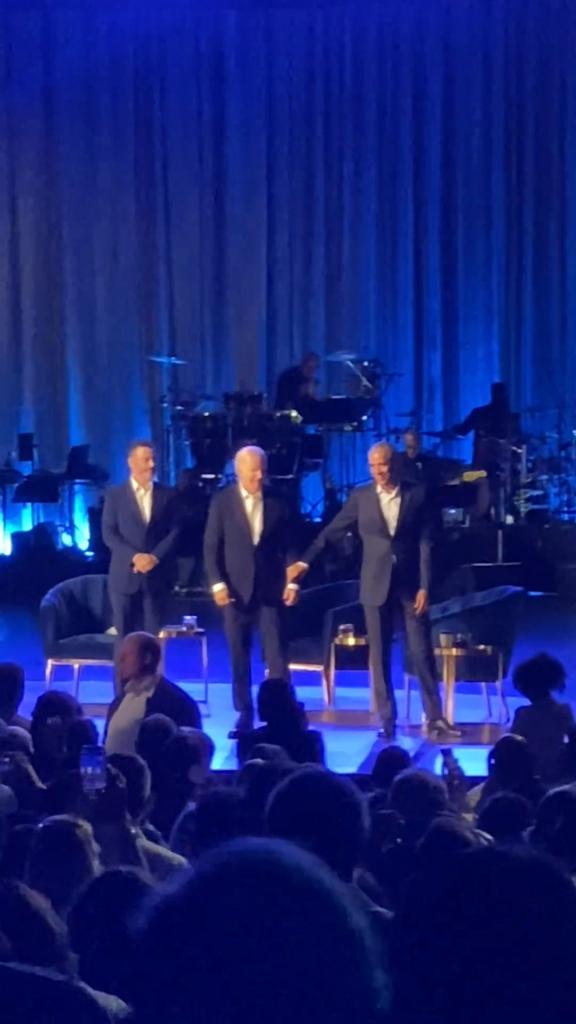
(254, 508)
(390, 507)
(144, 498)
(125, 723)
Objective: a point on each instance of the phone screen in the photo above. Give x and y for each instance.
(93, 768)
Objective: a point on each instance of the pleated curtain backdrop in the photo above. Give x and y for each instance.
(238, 186)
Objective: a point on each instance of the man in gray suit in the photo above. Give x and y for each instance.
(393, 522)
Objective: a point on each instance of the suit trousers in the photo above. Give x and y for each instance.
(380, 629)
(239, 624)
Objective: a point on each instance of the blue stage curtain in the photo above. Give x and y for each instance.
(239, 186)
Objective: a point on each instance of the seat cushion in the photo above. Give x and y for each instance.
(99, 646)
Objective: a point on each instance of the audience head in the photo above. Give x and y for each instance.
(33, 930)
(63, 858)
(277, 704)
(554, 831)
(250, 468)
(52, 718)
(389, 763)
(136, 774)
(280, 939)
(12, 683)
(153, 736)
(217, 818)
(324, 813)
(492, 939)
(16, 740)
(418, 797)
(100, 928)
(510, 762)
(257, 780)
(539, 677)
(446, 837)
(139, 656)
(271, 753)
(505, 817)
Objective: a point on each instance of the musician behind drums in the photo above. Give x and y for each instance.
(414, 465)
(297, 385)
(496, 434)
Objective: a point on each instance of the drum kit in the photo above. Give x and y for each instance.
(207, 430)
(538, 471)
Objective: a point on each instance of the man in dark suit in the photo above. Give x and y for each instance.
(137, 527)
(393, 522)
(246, 551)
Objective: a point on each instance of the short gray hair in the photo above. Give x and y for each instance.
(250, 449)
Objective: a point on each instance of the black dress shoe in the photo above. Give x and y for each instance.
(440, 729)
(387, 732)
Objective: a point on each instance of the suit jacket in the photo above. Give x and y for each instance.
(167, 699)
(408, 550)
(126, 534)
(230, 556)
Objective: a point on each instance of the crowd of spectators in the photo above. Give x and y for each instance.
(161, 895)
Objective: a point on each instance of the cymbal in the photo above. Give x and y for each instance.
(340, 356)
(167, 360)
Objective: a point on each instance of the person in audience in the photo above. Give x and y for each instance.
(389, 762)
(35, 933)
(506, 817)
(63, 857)
(277, 938)
(161, 862)
(419, 798)
(100, 928)
(554, 831)
(184, 768)
(511, 769)
(444, 838)
(144, 692)
(218, 817)
(545, 723)
(256, 781)
(488, 938)
(285, 725)
(326, 814)
(54, 714)
(153, 735)
(12, 686)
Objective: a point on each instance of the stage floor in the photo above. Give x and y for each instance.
(349, 732)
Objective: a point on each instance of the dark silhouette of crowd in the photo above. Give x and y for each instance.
(160, 894)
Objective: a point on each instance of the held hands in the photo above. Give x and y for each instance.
(296, 571)
(290, 596)
(144, 563)
(222, 596)
(421, 602)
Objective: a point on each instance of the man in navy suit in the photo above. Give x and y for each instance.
(247, 546)
(137, 527)
(393, 521)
